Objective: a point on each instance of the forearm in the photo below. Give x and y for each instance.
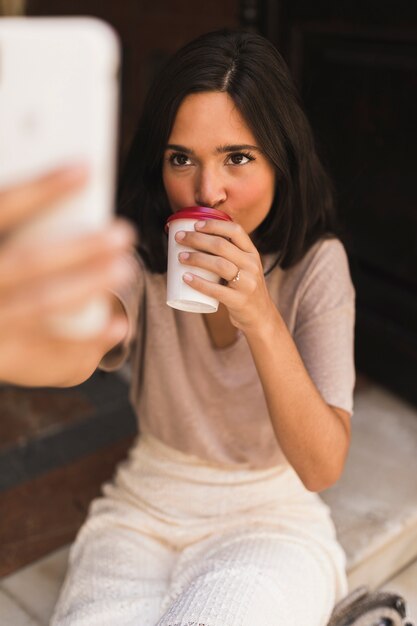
(311, 435)
(47, 362)
(37, 359)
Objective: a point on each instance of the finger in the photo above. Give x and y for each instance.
(115, 332)
(216, 245)
(231, 230)
(117, 328)
(64, 293)
(21, 202)
(220, 266)
(229, 297)
(112, 334)
(21, 265)
(31, 333)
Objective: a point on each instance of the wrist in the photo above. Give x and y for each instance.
(267, 325)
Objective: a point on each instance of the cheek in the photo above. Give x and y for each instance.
(258, 192)
(176, 190)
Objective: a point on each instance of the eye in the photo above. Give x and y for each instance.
(179, 160)
(240, 158)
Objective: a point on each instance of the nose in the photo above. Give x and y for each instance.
(210, 190)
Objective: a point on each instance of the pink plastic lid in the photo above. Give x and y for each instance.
(198, 213)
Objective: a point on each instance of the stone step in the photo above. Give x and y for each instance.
(28, 597)
(374, 505)
(57, 446)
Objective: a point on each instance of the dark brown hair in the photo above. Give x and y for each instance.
(248, 68)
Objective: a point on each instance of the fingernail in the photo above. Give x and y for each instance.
(200, 224)
(180, 235)
(184, 255)
(188, 277)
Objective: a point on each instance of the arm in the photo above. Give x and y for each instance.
(38, 359)
(38, 280)
(313, 435)
(111, 340)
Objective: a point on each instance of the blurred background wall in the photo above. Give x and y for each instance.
(150, 30)
(355, 65)
(12, 7)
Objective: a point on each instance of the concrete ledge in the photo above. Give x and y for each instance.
(385, 561)
(374, 505)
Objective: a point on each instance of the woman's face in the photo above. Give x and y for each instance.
(212, 159)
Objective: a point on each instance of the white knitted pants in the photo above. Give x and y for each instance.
(176, 541)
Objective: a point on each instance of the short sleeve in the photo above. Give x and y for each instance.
(131, 296)
(325, 321)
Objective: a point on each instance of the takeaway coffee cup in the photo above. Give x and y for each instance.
(180, 295)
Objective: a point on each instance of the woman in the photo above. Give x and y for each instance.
(244, 413)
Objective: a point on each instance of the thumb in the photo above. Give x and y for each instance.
(116, 331)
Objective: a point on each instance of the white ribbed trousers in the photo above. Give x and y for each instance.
(176, 541)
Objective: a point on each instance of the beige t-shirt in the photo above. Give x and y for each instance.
(209, 402)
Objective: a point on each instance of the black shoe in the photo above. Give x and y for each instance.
(370, 608)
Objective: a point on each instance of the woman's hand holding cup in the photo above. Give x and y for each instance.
(224, 249)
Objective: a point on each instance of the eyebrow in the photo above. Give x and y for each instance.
(219, 149)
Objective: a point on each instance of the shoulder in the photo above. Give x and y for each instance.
(324, 321)
(326, 259)
(324, 277)
(324, 253)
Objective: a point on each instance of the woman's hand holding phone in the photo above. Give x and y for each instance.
(37, 281)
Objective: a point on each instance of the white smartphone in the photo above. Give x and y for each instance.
(59, 91)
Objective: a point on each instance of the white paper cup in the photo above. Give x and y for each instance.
(180, 295)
